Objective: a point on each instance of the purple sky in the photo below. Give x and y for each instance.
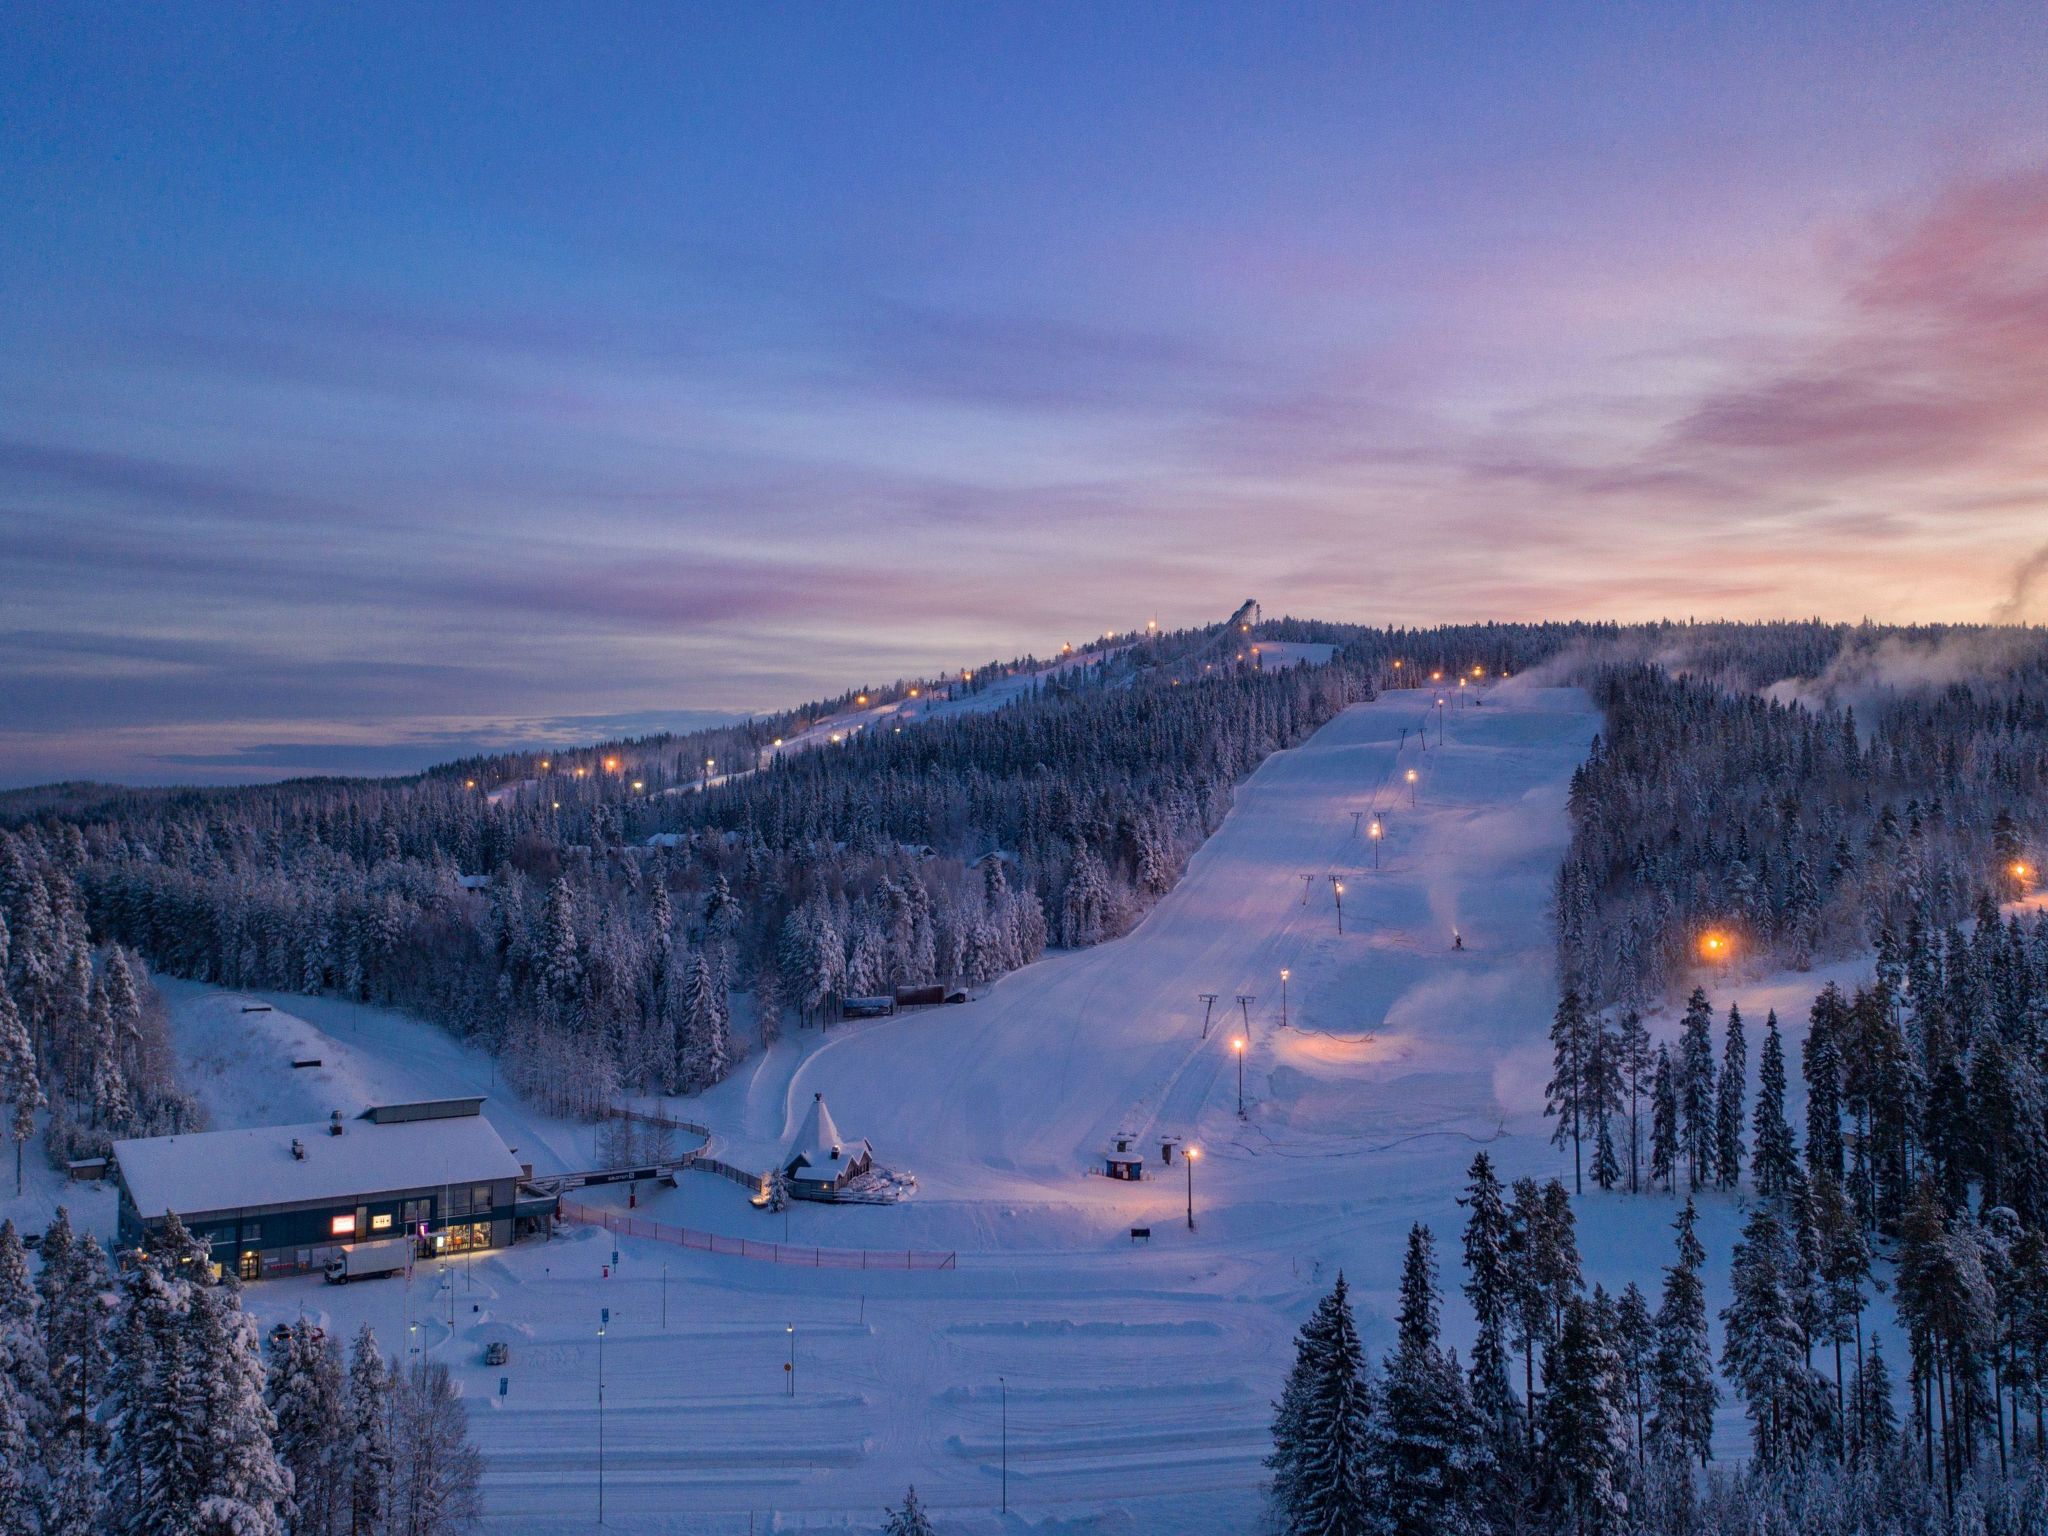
(378, 384)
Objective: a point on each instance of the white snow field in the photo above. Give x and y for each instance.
(1137, 1375)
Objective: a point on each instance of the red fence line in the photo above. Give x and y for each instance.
(753, 1248)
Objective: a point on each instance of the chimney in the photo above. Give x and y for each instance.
(298, 1150)
(334, 1123)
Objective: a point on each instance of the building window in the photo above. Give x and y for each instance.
(343, 1226)
(381, 1222)
(252, 1231)
(458, 1203)
(480, 1200)
(417, 1211)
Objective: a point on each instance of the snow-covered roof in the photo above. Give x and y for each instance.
(819, 1145)
(236, 1170)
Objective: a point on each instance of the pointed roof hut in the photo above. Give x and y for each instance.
(821, 1161)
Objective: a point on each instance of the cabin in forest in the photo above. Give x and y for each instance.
(821, 1162)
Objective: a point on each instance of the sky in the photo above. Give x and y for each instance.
(378, 383)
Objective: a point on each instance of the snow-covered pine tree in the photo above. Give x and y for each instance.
(242, 1487)
(706, 1045)
(1777, 1155)
(909, 1519)
(1635, 1346)
(437, 1473)
(20, 1503)
(367, 1453)
(1323, 1429)
(1490, 1288)
(306, 1398)
(1764, 1348)
(20, 1085)
(1564, 1096)
(1696, 1085)
(1821, 1065)
(1432, 1450)
(155, 1456)
(1585, 1438)
(1664, 1148)
(1728, 1147)
(1683, 1426)
(1637, 1064)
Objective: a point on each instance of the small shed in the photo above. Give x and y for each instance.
(821, 1162)
(1124, 1159)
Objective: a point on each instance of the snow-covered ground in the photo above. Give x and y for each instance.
(1138, 1375)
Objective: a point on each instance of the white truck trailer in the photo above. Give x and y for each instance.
(366, 1261)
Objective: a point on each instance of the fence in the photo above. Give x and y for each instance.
(753, 1248)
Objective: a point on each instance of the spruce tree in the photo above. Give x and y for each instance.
(1431, 1448)
(1565, 1097)
(1635, 1346)
(306, 1398)
(1490, 1288)
(1585, 1440)
(1764, 1350)
(1323, 1431)
(1696, 1091)
(1821, 1065)
(1637, 1065)
(20, 1086)
(1683, 1426)
(368, 1452)
(1777, 1155)
(1728, 1148)
(242, 1487)
(1664, 1151)
(19, 1501)
(908, 1520)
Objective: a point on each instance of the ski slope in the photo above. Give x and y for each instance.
(1137, 1376)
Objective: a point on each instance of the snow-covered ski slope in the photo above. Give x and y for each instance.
(1139, 1375)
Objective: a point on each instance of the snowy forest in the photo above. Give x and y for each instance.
(141, 1404)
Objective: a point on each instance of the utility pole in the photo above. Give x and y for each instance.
(1208, 1000)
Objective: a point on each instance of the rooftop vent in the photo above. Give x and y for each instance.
(298, 1150)
(334, 1123)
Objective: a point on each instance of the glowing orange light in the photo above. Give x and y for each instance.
(1411, 775)
(1397, 666)
(544, 763)
(469, 783)
(636, 783)
(1193, 1153)
(611, 765)
(2019, 869)
(1436, 677)
(1375, 829)
(913, 693)
(1237, 1045)
(1715, 946)
(862, 699)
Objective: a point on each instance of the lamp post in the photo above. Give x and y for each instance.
(603, 1319)
(1189, 1158)
(1375, 842)
(1237, 1045)
(1411, 789)
(1337, 886)
(1284, 974)
(790, 1369)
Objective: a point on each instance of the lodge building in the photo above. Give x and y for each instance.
(283, 1199)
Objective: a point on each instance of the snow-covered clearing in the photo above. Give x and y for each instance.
(1138, 1374)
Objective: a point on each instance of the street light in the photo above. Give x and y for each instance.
(1284, 974)
(1375, 842)
(1338, 886)
(1411, 789)
(1237, 1045)
(1189, 1158)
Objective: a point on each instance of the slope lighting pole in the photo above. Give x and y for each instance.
(1244, 1004)
(1337, 886)
(1208, 1001)
(1284, 974)
(1238, 1046)
(1189, 1157)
